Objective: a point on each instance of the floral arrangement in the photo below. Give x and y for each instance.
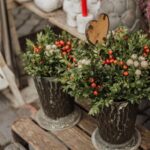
(50, 55)
(118, 70)
(145, 9)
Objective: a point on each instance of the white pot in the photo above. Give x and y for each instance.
(48, 5)
(82, 22)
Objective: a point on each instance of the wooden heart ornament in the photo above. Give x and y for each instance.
(97, 30)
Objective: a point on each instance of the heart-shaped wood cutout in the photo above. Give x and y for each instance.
(97, 30)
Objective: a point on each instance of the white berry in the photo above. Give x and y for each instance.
(134, 56)
(136, 64)
(141, 58)
(129, 62)
(138, 72)
(48, 47)
(54, 46)
(144, 64)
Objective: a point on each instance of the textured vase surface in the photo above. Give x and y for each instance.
(117, 123)
(122, 12)
(55, 103)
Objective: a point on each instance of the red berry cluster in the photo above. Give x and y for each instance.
(66, 48)
(94, 86)
(37, 49)
(146, 51)
(113, 60)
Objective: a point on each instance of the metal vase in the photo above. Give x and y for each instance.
(58, 110)
(116, 127)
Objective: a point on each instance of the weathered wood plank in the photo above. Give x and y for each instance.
(87, 123)
(80, 139)
(145, 144)
(57, 18)
(85, 104)
(75, 139)
(35, 136)
(10, 4)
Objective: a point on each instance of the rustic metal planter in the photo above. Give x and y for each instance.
(116, 128)
(57, 108)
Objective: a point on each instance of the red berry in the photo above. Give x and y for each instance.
(95, 93)
(68, 43)
(107, 61)
(67, 47)
(110, 52)
(115, 61)
(93, 85)
(57, 43)
(74, 60)
(121, 63)
(64, 53)
(145, 54)
(146, 50)
(37, 50)
(91, 80)
(125, 67)
(68, 50)
(70, 57)
(111, 57)
(111, 60)
(145, 47)
(125, 73)
(61, 43)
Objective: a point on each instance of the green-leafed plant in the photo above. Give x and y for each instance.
(50, 54)
(118, 70)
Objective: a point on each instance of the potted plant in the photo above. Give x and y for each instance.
(115, 78)
(44, 60)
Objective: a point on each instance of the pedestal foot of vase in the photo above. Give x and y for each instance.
(59, 124)
(100, 144)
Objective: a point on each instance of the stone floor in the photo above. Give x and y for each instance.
(27, 23)
(7, 116)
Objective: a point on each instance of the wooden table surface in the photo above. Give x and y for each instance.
(30, 134)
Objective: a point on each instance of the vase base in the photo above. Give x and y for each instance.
(100, 144)
(59, 124)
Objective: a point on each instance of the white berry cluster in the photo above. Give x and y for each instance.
(83, 62)
(50, 49)
(138, 62)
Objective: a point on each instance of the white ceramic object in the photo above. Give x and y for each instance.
(67, 4)
(71, 19)
(94, 8)
(82, 22)
(122, 12)
(3, 81)
(48, 5)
